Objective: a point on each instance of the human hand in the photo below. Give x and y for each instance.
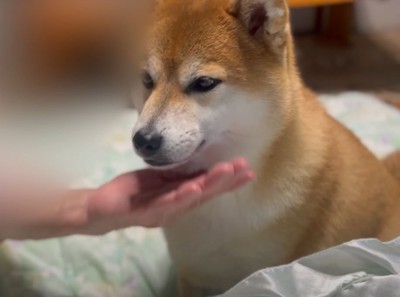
(145, 198)
(142, 198)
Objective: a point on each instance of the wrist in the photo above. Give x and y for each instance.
(74, 213)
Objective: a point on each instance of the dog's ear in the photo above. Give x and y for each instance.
(266, 20)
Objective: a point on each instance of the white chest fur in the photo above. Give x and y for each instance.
(226, 240)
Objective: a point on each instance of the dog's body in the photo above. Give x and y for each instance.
(222, 81)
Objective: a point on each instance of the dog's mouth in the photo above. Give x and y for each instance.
(166, 165)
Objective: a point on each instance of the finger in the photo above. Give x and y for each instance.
(240, 165)
(241, 180)
(243, 174)
(158, 195)
(219, 179)
(113, 201)
(172, 205)
(189, 191)
(220, 172)
(168, 208)
(121, 196)
(199, 185)
(128, 191)
(126, 183)
(215, 184)
(138, 181)
(205, 180)
(186, 192)
(172, 210)
(216, 176)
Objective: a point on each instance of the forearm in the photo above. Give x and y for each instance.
(141, 198)
(62, 215)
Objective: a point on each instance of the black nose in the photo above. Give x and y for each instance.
(147, 145)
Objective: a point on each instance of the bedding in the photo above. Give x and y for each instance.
(135, 262)
(366, 268)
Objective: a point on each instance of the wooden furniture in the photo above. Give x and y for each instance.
(334, 18)
(308, 3)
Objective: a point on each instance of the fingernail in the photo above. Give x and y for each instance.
(196, 192)
(191, 192)
(246, 176)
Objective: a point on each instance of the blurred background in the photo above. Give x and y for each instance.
(62, 79)
(45, 44)
(349, 45)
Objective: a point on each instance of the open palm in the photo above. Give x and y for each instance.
(146, 198)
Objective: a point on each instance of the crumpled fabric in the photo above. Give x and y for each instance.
(363, 268)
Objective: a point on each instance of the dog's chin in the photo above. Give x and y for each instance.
(186, 167)
(180, 170)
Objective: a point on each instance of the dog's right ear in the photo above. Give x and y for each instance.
(266, 20)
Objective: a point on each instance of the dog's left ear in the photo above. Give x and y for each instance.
(266, 20)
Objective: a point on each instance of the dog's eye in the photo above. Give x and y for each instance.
(147, 80)
(204, 84)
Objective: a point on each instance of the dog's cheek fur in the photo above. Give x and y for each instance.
(227, 127)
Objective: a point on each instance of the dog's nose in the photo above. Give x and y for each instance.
(147, 145)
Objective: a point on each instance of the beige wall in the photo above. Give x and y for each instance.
(375, 15)
(370, 15)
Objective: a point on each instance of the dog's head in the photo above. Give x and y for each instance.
(215, 81)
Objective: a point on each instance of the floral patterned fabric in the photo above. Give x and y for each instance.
(135, 262)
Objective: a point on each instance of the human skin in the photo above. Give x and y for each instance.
(142, 198)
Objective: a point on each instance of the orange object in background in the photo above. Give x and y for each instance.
(76, 41)
(63, 34)
(308, 3)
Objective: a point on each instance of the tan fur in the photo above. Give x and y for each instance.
(392, 163)
(317, 185)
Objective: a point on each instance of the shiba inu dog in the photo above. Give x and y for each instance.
(221, 80)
